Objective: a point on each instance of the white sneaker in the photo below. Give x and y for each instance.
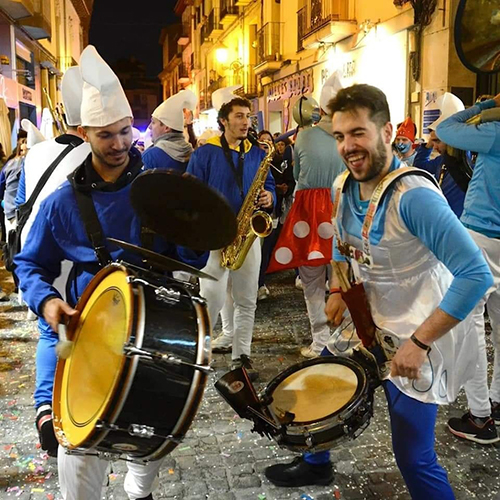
(298, 283)
(309, 352)
(222, 344)
(31, 316)
(263, 293)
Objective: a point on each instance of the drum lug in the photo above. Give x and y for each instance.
(101, 424)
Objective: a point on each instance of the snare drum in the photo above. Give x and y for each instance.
(319, 403)
(130, 383)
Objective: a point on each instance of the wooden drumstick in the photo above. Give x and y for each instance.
(341, 276)
(64, 346)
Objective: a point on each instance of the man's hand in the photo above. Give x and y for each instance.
(56, 311)
(265, 199)
(282, 188)
(334, 310)
(408, 360)
(497, 100)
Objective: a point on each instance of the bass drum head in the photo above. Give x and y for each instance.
(86, 381)
(316, 389)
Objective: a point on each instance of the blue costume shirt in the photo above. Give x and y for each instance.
(482, 207)
(155, 157)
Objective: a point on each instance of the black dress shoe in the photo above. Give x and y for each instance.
(299, 473)
(149, 497)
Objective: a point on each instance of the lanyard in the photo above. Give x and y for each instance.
(237, 171)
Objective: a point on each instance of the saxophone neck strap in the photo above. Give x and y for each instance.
(364, 256)
(237, 171)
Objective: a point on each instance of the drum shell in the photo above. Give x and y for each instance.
(155, 400)
(347, 423)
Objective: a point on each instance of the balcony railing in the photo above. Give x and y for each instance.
(184, 72)
(269, 42)
(301, 26)
(318, 15)
(326, 11)
(185, 34)
(228, 11)
(214, 23)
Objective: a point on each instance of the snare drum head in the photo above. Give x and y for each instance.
(316, 391)
(87, 380)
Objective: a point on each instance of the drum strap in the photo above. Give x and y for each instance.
(92, 226)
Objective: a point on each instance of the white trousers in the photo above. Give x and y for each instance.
(313, 281)
(477, 388)
(242, 285)
(82, 477)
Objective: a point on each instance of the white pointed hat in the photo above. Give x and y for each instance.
(136, 134)
(221, 96)
(103, 99)
(71, 90)
(170, 112)
(333, 84)
(34, 135)
(449, 104)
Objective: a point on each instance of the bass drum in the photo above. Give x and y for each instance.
(320, 403)
(116, 393)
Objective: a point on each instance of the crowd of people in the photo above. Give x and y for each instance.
(427, 250)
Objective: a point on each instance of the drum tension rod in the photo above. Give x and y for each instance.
(131, 350)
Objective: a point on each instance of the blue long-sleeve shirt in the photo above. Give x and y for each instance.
(451, 190)
(482, 201)
(428, 217)
(209, 164)
(21, 190)
(155, 157)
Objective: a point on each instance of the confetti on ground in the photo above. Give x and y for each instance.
(171, 471)
(262, 496)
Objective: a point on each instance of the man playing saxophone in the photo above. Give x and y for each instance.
(231, 165)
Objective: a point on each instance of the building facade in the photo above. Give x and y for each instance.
(278, 50)
(39, 40)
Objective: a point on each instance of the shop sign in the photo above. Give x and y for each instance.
(294, 85)
(8, 92)
(26, 95)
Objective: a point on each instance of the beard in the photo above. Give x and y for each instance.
(378, 159)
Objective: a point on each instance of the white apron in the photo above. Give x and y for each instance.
(404, 285)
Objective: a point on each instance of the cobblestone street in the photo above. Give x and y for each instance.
(221, 459)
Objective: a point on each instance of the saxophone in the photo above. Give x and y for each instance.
(251, 221)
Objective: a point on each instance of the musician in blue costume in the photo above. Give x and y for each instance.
(229, 163)
(58, 233)
(423, 274)
(481, 217)
(170, 150)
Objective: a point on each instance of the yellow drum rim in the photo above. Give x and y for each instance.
(77, 410)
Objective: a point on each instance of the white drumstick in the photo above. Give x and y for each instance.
(64, 346)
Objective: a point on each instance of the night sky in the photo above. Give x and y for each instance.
(120, 29)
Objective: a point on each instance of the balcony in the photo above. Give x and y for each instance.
(325, 21)
(18, 9)
(38, 25)
(215, 27)
(184, 35)
(228, 12)
(268, 49)
(185, 73)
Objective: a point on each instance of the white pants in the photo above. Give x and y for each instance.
(82, 477)
(243, 285)
(477, 388)
(313, 281)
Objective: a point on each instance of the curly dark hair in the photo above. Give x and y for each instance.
(362, 96)
(227, 107)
